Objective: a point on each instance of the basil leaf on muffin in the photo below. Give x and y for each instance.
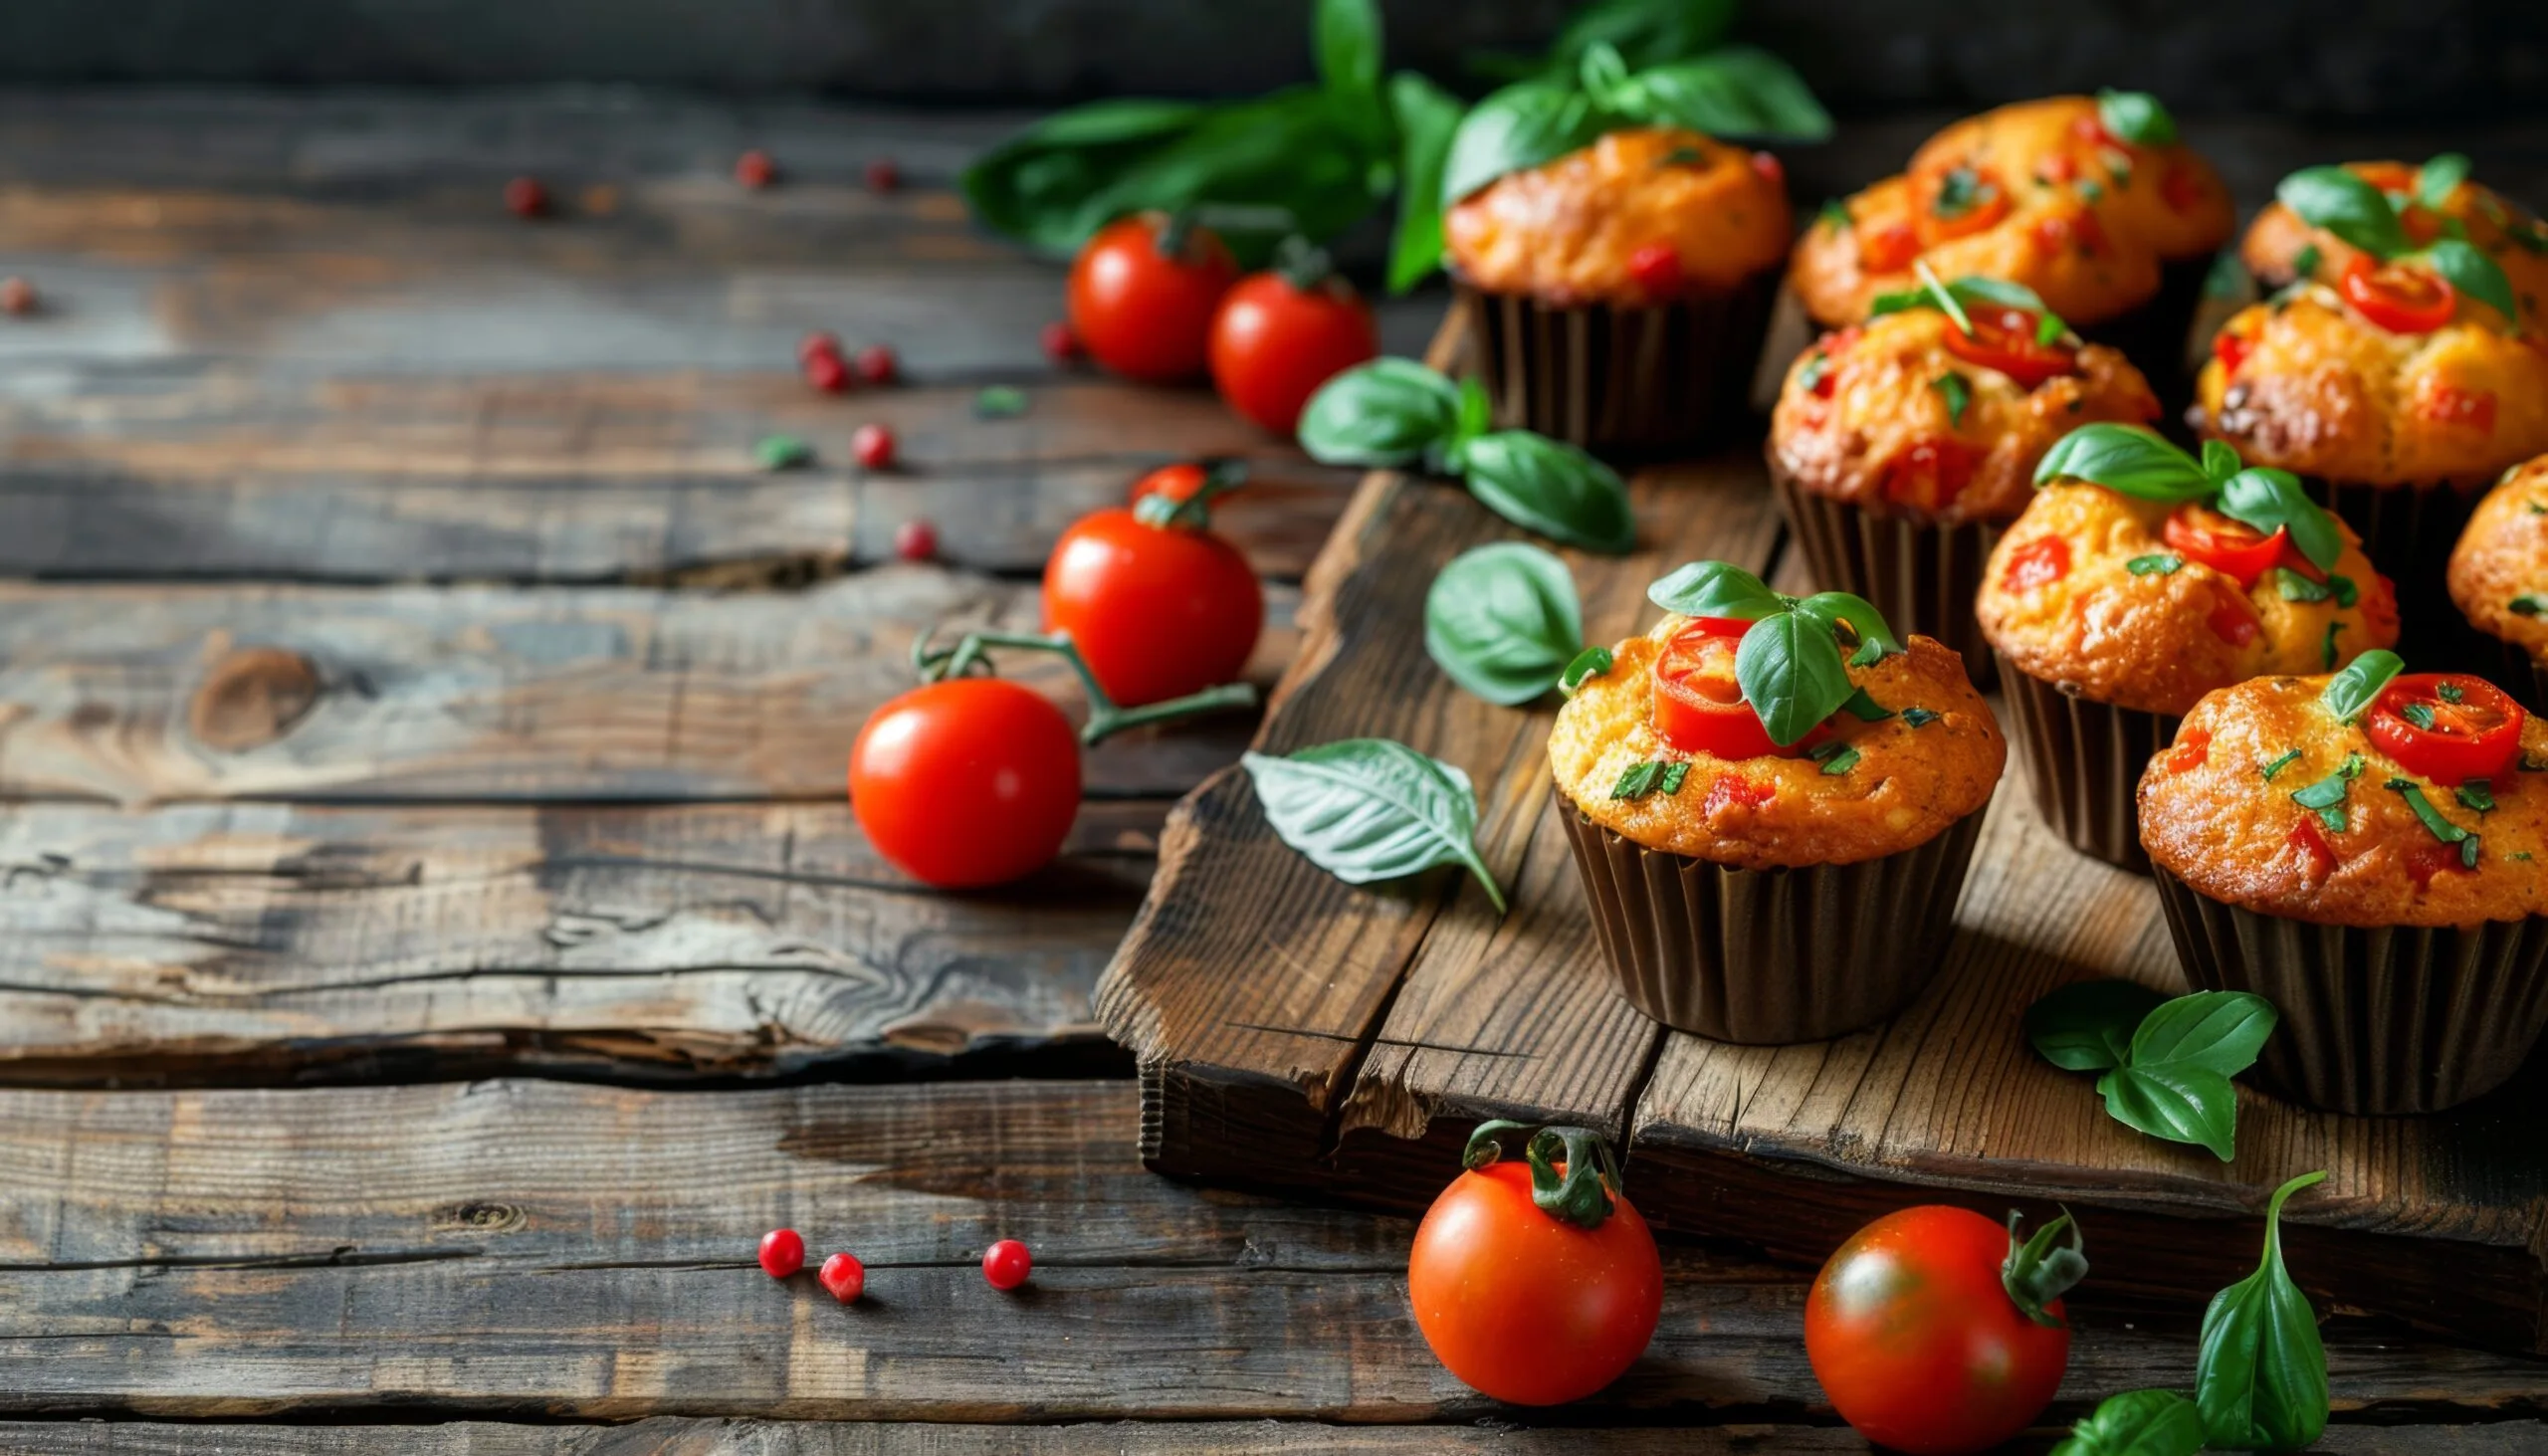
(1366, 809)
(2133, 460)
(2136, 117)
(1950, 299)
(1503, 621)
(2260, 1375)
(1591, 662)
(1784, 667)
(2354, 689)
(2440, 176)
(2348, 205)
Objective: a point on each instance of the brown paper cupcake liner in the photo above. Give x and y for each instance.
(1922, 574)
(1771, 956)
(1620, 380)
(2408, 531)
(2158, 336)
(2507, 665)
(2389, 1020)
(2083, 763)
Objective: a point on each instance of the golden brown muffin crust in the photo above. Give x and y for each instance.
(2502, 560)
(2211, 819)
(2156, 642)
(1907, 786)
(1564, 232)
(1848, 427)
(2502, 229)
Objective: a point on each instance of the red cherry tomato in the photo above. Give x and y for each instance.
(2040, 562)
(2228, 545)
(2004, 339)
(2232, 351)
(2416, 722)
(970, 781)
(1931, 474)
(2398, 297)
(1978, 204)
(755, 168)
(1007, 1264)
(1698, 705)
(1527, 1307)
(1275, 342)
(1142, 297)
(844, 1276)
(1888, 248)
(1918, 1343)
(1158, 611)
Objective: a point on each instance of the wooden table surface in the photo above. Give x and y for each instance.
(434, 947)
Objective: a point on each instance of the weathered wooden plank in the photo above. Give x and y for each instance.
(149, 693)
(572, 1251)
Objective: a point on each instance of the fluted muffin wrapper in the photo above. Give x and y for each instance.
(1620, 380)
(1771, 956)
(2083, 764)
(2158, 334)
(1922, 574)
(2386, 1020)
(2408, 532)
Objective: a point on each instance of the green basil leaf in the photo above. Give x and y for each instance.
(2137, 117)
(1347, 37)
(1959, 396)
(1503, 621)
(2438, 179)
(2261, 1373)
(2348, 692)
(1644, 31)
(1388, 412)
(1637, 780)
(1839, 608)
(2472, 271)
(2177, 1102)
(1714, 589)
(2294, 587)
(2128, 460)
(1736, 90)
(1791, 673)
(1426, 116)
(2347, 206)
(2138, 1423)
(2161, 563)
(2087, 1026)
(1477, 412)
(1553, 489)
(1520, 126)
(1366, 809)
(2282, 761)
(1920, 718)
(1030, 186)
(2272, 500)
(1998, 290)
(1591, 662)
(2435, 823)
(2221, 462)
(2219, 1031)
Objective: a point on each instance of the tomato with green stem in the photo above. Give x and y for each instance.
(1143, 291)
(2447, 726)
(1157, 604)
(1280, 334)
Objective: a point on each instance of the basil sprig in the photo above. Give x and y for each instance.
(1366, 809)
(2349, 206)
(1950, 299)
(2166, 1064)
(2137, 1423)
(2350, 693)
(1503, 621)
(1789, 664)
(1396, 413)
(2133, 460)
(2261, 1375)
(2136, 117)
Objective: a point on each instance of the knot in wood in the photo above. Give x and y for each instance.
(251, 697)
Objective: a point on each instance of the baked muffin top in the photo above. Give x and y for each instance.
(2499, 569)
(2079, 198)
(2276, 799)
(2149, 600)
(1654, 747)
(1639, 216)
(1912, 413)
(2430, 201)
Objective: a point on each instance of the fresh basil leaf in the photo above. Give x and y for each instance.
(2221, 462)
(1736, 90)
(1477, 412)
(2128, 460)
(1520, 126)
(2527, 605)
(2348, 692)
(1863, 707)
(999, 402)
(1644, 31)
(2282, 761)
(2219, 1031)
(2138, 1423)
(2261, 1373)
(1997, 290)
(2438, 179)
(2137, 117)
(2472, 271)
(1673, 775)
(1426, 116)
(1591, 662)
(1503, 621)
(1553, 489)
(2294, 587)
(2176, 1101)
(1347, 36)
(2478, 794)
(1839, 608)
(1637, 780)
(2161, 563)
(1714, 589)
(1920, 718)
(2346, 205)
(2272, 500)
(1388, 412)
(2435, 824)
(1366, 809)
(1791, 673)
(1959, 396)
(1836, 757)
(2087, 1026)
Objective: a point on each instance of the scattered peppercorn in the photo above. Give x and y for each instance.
(782, 1252)
(526, 197)
(877, 365)
(819, 341)
(17, 295)
(755, 169)
(882, 175)
(1060, 344)
(916, 541)
(874, 447)
(1007, 1264)
(844, 1276)
(826, 372)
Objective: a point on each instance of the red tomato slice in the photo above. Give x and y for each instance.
(2398, 297)
(2476, 736)
(1888, 248)
(2004, 339)
(2311, 841)
(1698, 705)
(2227, 545)
(1973, 199)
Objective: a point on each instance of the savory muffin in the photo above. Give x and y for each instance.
(2111, 614)
(2363, 850)
(1755, 890)
(2499, 578)
(1618, 294)
(1899, 446)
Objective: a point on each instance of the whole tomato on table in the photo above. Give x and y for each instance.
(1143, 291)
(1536, 1281)
(1157, 604)
(1937, 1332)
(1281, 334)
(966, 782)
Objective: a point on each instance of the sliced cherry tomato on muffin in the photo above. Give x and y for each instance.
(2447, 726)
(1932, 473)
(1698, 705)
(2008, 340)
(2397, 297)
(1887, 247)
(2449, 404)
(1959, 201)
(2040, 562)
(2228, 545)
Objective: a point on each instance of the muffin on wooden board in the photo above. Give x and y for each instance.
(2139, 579)
(2498, 579)
(1901, 446)
(1773, 803)
(2363, 850)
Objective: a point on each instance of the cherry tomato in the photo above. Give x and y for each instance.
(970, 781)
(1918, 1341)
(2398, 297)
(2228, 545)
(844, 1276)
(1698, 705)
(2004, 339)
(1523, 1304)
(2452, 405)
(1158, 611)
(2232, 351)
(1888, 248)
(782, 1252)
(1275, 341)
(2417, 721)
(2040, 562)
(1142, 296)
(1931, 474)
(1961, 201)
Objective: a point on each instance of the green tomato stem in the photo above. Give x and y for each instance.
(1104, 719)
